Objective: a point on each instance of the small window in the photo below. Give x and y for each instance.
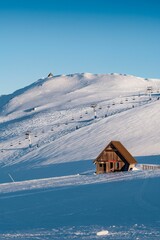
(100, 164)
(117, 165)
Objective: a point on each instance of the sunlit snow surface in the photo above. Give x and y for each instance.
(135, 232)
(56, 194)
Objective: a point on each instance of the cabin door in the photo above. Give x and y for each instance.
(111, 166)
(104, 167)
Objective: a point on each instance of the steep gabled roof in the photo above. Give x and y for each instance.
(120, 150)
(124, 152)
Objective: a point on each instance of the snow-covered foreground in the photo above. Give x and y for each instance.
(56, 194)
(79, 206)
(127, 209)
(90, 232)
(75, 180)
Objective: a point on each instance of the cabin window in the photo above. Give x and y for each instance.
(100, 164)
(117, 165)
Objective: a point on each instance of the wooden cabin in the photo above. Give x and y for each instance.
(113, 158)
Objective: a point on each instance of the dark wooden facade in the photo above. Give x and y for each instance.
(114, 157)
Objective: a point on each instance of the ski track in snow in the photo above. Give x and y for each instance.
(75, 180)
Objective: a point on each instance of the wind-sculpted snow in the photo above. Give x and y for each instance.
(75, 180)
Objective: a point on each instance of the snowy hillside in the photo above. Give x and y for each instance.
(57, 112)
(48, 138)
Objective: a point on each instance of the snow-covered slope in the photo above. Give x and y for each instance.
(48, 189)
(85, 87)
(57, 111)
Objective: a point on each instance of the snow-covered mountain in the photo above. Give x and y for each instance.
(59, 115)
(48, 138)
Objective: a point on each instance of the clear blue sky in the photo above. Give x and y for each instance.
(68, 36)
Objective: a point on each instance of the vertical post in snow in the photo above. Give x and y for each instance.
(28, 136)
(94, 110)
(149, 90)
(95, 113)
(11, 177)
(108, 107)
(150, 95)
(30, 140)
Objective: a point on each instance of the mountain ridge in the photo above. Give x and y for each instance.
(59, 114)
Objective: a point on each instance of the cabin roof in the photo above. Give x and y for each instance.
(121, 149)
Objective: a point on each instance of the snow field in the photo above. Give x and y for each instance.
(56, 194)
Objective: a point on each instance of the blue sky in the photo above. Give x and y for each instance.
(68, 36)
